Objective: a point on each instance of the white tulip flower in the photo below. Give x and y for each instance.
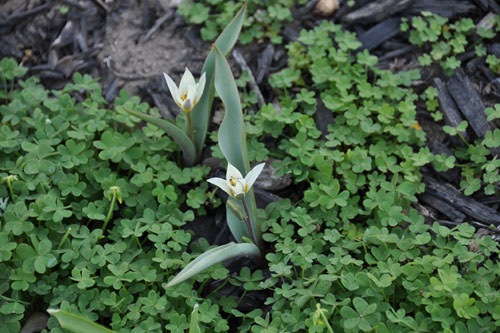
(234, 184)
(188, 94)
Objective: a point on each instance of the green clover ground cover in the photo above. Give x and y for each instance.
(68, 158)
(354, 242)
(265, 19)
(443, 42)
(95, 207)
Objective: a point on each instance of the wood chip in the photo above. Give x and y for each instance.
(380, 33)
(443, 207)
(454, 198)
(468, 101)
(264, 63)
(377, 11)
(446, 8)
(323, 118)
(252, 83)
(451, 113)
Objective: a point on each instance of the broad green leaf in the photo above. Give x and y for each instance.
(229, 36)
(234, 217)
(200, 114)
(212, 257)
(232, 132)
(186, 145)
(231, 136)
(76, 323)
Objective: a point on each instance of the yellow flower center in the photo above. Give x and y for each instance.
(232, 181)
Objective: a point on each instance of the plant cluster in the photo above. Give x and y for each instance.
(409, 278)
(476, 161)
(94, 211)
(265, 18)
(364, 165)
(444, 42)
(353, 254)
(95, 208)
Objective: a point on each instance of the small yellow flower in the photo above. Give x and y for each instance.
(188, 94)
(234, 184)
(416, 126)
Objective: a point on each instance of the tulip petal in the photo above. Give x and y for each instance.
(233, 172)
(221, 183)
(200, 87)
(187, 81)
(174, 91)
(253, 174)
(189, 102)
(191, 94)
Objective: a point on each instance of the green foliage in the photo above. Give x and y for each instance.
(65, 159)
(444, 42)
(432, 104)
(9, 70)
(95, 211)
(232, 143)
(264, 20)
(408, 278)
(368, 147)
(476, 161)
(191, 140)
(494, 63)
(353, 242)
(76, 323)
(214, 256)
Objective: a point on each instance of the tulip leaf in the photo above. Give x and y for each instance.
(200, 114)
(212, 257)
(183, 141)
(255, 225)
(235, 216)
(231, 132)
(76, 323)
(231, 135)
(229, 36)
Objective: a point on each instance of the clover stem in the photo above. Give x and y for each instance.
(9, 185)
(460, 135)
(325, 320)
(4, 84)
(8, 180)
(64, 239)
(110, 212)
(138, 242)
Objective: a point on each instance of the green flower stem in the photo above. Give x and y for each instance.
(4, 84)
(11, 191)
(64, 239)
(114, 194)
(8, 180)
(256, 225)
(190, 126)
(256, 239)
(138, 242)
(8, 299)
(248, 223)
(460, 135)
(325, 320)
(110, 212)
